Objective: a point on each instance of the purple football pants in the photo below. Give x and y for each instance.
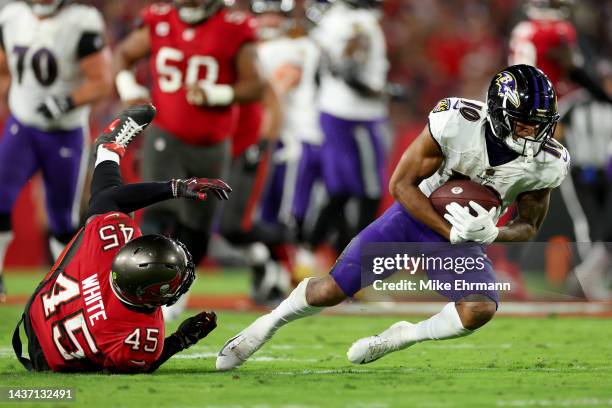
(353, 156)
(397, 226)
(59, 155)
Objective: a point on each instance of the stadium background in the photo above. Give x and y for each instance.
(436, 48)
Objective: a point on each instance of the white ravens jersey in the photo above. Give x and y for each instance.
(43, 59)
(458, 126)
(338, 26)
(301, 116)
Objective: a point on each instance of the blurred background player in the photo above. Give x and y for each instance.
(55, 55)
(110, 282)
(353, 115)
(203, 61)
(290, 59)
(586, 129)
(548, 39)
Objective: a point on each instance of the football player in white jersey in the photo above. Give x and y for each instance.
(55, 55)
(504, 144)
(290, 60)
(353, 114)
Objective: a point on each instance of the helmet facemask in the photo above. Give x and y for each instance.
(194, 13)
(506, 130)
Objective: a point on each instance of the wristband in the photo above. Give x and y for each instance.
(218, 95)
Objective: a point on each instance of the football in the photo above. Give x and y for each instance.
(462, 192)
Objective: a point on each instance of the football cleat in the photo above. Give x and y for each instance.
(240, 347)
(369, 349)
(124, 128)
(2, 290)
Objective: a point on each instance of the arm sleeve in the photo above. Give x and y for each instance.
(128, 198)
(172, 345)
(90, 43)
(438, 120)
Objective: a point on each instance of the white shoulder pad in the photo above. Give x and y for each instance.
(86, 18)
(12, 11)
(453, 122)
(553, 163)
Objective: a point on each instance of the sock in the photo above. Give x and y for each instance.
(444, 325)
(293, 308)
(5, 239)
(103, 154)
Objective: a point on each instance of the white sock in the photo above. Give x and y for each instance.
(103, 154)
(56, 248)
(444, 325)
(293, 308)
(5, 239)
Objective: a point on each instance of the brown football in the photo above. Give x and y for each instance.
(462, 192)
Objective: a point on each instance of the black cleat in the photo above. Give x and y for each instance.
(124, 128)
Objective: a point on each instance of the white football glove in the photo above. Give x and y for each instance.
(129, 89)
(466, 227)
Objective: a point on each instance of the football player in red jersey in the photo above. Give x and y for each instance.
(203, 62)
(548, 40)
(98, 309)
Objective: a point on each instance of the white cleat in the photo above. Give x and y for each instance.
(240, 347)
(369, 349)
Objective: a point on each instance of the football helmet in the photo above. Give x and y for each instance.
(45, 8)
(548, 9)
(522, 94)
(196, 11)
(152, 271)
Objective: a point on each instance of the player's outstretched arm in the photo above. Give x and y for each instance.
(422, 159)
(98, 79)
(532, 207)
(131, 197)
(136, 46)
(189, 333)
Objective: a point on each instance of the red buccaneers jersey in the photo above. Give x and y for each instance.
(183, 55)
(250, 118)
(532, 43)
(79, 322)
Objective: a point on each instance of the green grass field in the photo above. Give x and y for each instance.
(551, 362)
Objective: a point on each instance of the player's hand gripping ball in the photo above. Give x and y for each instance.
(470, 208)
(197, 188)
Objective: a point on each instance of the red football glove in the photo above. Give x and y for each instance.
(196, 188)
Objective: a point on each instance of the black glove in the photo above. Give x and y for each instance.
(196, 188)
(196, 328)
(55, 106)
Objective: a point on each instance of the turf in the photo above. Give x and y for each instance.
(511, 362)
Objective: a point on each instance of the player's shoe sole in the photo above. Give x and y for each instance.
(239, 348)
(125, 127)
(370, 349)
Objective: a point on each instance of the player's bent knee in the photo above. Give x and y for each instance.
(324, 292)
(475, 311)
